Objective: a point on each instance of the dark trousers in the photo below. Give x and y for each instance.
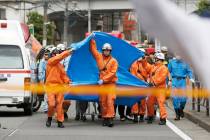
(81, 107)
(121, 110)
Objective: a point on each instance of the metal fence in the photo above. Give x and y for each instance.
(199, 102)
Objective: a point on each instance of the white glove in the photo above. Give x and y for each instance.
(71, 49)
(192, 80)
(100, 82)
(93, 35)
(169, 84)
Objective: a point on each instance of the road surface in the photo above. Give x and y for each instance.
(16, 126)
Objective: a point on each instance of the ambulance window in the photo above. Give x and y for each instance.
(10, 57)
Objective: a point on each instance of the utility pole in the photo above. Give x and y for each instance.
(177, 2)
(44, 42)
(24, 11)
(89, 17)
(139, 29)
(185, 6)
(65, 28)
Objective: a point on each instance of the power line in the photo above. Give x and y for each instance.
(6, 5)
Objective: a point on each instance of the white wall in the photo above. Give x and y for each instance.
(12, 14)
(94, 5)
(83, 5)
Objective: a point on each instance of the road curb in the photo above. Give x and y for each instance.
(193, 118)
(197, 120)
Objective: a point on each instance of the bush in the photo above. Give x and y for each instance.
(37, 20)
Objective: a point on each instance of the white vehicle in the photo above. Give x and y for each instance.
(17, 66)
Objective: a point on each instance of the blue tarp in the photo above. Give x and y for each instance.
(83, 69)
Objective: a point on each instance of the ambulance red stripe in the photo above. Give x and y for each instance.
(15, 71)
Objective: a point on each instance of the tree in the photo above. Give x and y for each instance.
(37, 20)
(203, 5)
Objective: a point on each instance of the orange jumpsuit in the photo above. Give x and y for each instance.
(140, 72)
(158, 77)
(108, 67)
(55, 76)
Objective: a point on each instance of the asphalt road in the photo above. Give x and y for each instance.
(16, 126)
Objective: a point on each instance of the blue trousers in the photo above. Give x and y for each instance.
(179, 102)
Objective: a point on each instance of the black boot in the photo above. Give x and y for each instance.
(177, 118)
(77, 118)
(99, 116)
(135, 120)
(83, 118)
(162, 122)
(60, 125)
(141, 118)
(181, 113)
(49, 120)
(150, 119)
(105, 122)
(110, 123)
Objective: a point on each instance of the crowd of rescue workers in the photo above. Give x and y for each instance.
(158, 69)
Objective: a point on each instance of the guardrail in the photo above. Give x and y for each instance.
(200, 102)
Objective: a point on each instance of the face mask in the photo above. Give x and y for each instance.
(106, 53)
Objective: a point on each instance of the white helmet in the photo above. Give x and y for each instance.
(107, 46)
(61, 47)
(164, 49)
(146, 41)
(53, 50)
(160, 56)
(48, 47)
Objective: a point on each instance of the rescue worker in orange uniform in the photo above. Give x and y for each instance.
(56, 76)
(107, 66)
(140, 72)
(158, 78)
(66, 103)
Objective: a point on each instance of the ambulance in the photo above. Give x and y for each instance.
(17, 65)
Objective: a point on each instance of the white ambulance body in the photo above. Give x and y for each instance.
(16, 67)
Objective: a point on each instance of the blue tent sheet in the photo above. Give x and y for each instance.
(83, 68)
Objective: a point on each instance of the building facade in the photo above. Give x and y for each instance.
(105, 15)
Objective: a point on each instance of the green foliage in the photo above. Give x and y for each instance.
(203, 5)
(37, 20)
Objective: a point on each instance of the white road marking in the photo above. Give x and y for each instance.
(13, 132)
(176, 129)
